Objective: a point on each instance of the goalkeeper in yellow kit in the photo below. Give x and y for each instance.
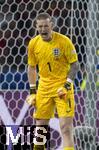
(56, 58)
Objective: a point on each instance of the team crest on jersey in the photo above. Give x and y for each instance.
(56, 53)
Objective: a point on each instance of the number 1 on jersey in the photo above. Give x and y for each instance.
(49, 66)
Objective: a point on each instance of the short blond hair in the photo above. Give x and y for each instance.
(43, 16)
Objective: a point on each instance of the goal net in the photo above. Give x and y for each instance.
(79, 20)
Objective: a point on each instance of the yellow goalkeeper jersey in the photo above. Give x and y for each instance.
(53, 58)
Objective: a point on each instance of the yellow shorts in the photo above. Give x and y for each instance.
(46, 106)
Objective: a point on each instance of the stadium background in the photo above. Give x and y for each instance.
(78, 19)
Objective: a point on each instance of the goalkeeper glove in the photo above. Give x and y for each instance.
(62, 93)
(63, 90)
(31, 99)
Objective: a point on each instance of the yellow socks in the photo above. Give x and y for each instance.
(39, 147)
(69, 148)
(42, 147)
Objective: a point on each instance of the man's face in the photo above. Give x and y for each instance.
(44, 27)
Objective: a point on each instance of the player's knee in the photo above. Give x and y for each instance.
(42, 122)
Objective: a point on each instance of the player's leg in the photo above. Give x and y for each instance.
(66, 126)
(65, 109)
(44, 111)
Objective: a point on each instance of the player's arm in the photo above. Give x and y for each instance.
(71, 75)
(73, 70)
(71, 56)
(31, 73)
(70, 78)
(32, 78)
(31, 99)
